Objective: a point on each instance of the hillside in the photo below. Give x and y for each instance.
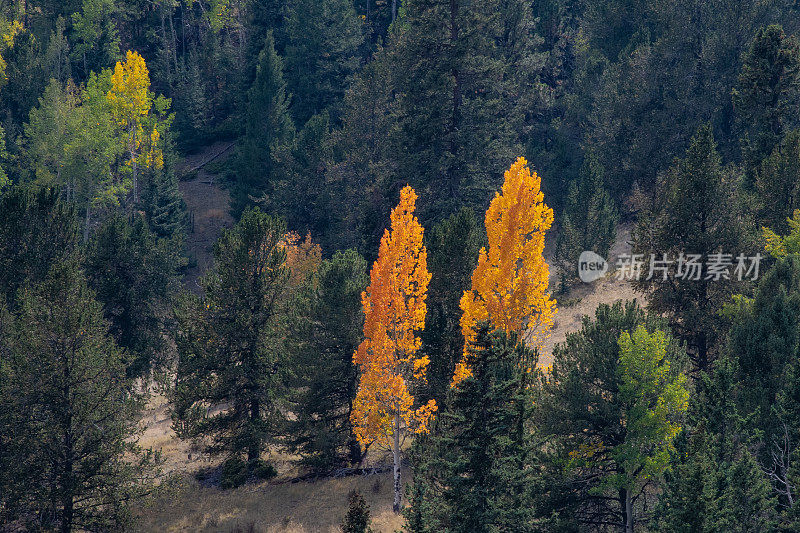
(260, 257)
(282, 505)
(584, 298)
(208, 204)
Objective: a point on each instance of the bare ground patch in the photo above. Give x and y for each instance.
(585, 297)
(209, 207)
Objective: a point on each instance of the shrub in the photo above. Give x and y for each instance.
(233, 473)
(261, 469)
(357, 518)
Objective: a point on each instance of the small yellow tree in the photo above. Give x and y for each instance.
(509, 284)
(130, 99)
(394, 311)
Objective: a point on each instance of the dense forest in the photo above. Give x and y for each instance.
(412, 186)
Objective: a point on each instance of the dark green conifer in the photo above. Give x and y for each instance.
(697, 212)
(589, 221)
(778, 183)
(323, 50)
(231, 347)
(322, 432)
(73, 464)
(357, 518)
(37, 230)
(134, 275)
(453, 246)
(473, 473)
(269, 132)
(766, 94)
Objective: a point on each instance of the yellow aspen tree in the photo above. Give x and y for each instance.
(509, 284)
(131, 100)
(8, 32)
(394, 312)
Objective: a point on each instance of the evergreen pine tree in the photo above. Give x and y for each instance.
(766, 93)
(230, 344)
(80, 468)
(37, 230)
(364, 178)
(778, 182)
(765, 339)
(716, 485)
(589, 221)
(166, 209)
(458, 131)
(357, 518)
(714, 482)
(192, 114)
(453, 246)
(322, 432)
(683, 506)
(304, 197)
(4, 179)
(265, 16)
(474, 473)
(135, 277)
(746, 503)
(764, 343)
(269, 132)
(324, 41)
(697, 212)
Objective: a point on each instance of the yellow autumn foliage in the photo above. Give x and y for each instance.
(394, 311)
(130, 90)
(509, 284)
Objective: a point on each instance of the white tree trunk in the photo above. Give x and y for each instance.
(396, 457)
(628, 512)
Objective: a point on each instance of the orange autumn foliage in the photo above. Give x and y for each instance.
(303, 258)
(509, 284)
(394, 311)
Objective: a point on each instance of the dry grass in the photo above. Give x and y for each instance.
(269, 507)
(276, 506)
(585, 297)
(178, 455)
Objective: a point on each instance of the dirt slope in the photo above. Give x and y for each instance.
(209, 207)
(584, 298)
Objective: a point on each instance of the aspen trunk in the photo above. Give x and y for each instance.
(396, 457)
(628, 512)
(86, 224)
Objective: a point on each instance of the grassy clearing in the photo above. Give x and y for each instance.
(303, 507)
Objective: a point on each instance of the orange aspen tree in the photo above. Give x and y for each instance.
(303, 257)
(509, 284)
(394, 311)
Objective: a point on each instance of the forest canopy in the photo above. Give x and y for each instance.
(354, 233)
